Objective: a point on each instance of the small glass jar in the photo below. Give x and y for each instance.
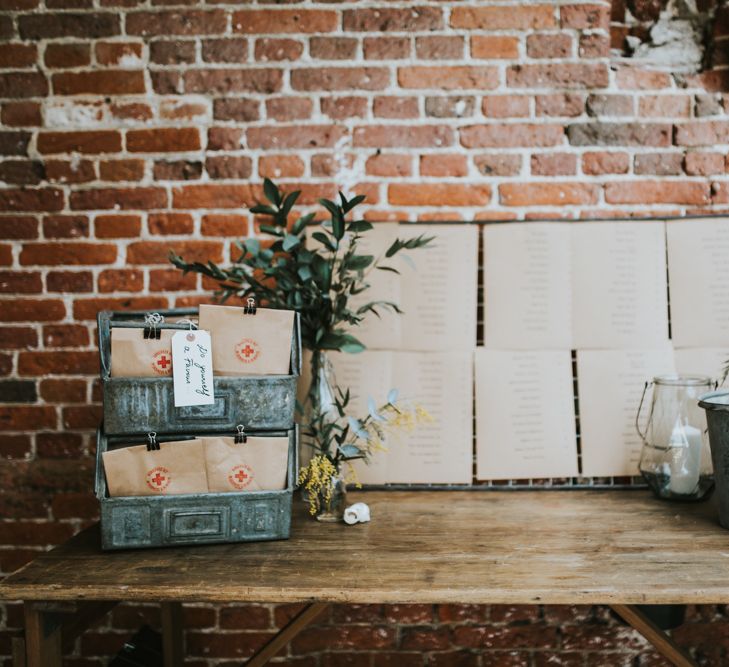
(675, 460)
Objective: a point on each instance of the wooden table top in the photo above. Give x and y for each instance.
(513, 547)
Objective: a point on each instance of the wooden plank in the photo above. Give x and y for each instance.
(42, 637)
(173, 648)
(660, 640)
(286, 634)
(561, 547)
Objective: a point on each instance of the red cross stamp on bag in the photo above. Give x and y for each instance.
(158, 479)
(162, 362)
(247, 350)
(240, 476)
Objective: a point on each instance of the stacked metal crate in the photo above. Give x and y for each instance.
(136, 406)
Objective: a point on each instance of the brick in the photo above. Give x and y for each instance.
(21, 114)
(669, 106)
(177, 170)
(438, 194)
(117, 226)
(344, 637)
(439, 47)
(289, 108)
(74, 506)
(526, 636)
(172, 52)
(171, 280)
(707, 105)
(120, 280)
(178, 22)
(228, 645)
(512, 134)
(66, 171)
(225, 50)
(18, 227)
(333, 48)
(236, 109)
(634, 78)
(703, 164)
(118, 53)
(386, 48)
(59, 445)
(74, 253)
(449, 107)
(166, 82)
(157, 252)
(226, 225)
(561, 104)
(558, 75)
(18, 391)
(121, 170)
(498, 164)
(702, 133)
(312, 136)
(91, 142)
(18, 338)
(253, 617)
(64, 335)
(585, 17)
(14, 143)
(223, 81)
(600, 162)
(609, 105)
(495, 18)
(340, 78)
(22, 172)
(341, 108)
(553, 164)
(15, 56)
(81, 416)
(100, 82)
(228, 167)
(593, 636)
(54, 25)
(659, 164)
(262, 21)
(410, 19)
(133, 111)
(657, 192)
(395, 107)
(42, 199)
(494, 47)
(619, 134)
(65, 226)
(34, 533)
(224, 138)
(163, 140)
(170, 223)
(444, 165)
(594, 46)
(88, 309)
(505, 106)
(389, 165)
(270, 49)
(449, 78)
(119, 198)
(20, 282)
(403, 136)
(548, 194)
(549, 45)
(69, 281)
(280, 166)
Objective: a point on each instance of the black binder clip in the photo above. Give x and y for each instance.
(250, 307)
(151, 326)
(152, 444)
(240, 436)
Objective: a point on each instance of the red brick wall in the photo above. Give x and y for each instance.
(133, 126)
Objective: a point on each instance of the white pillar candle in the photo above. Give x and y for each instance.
(685, 459)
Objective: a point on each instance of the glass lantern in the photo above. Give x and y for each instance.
(675, 460)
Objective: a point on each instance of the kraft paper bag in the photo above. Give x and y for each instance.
(244, 344)
(176, 468)
(134, 356)
(260, 464)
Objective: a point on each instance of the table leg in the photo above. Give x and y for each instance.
(42, 637)
(660, 640)
(172, 634)
(286, 634)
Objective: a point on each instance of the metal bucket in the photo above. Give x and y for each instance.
(716, 404)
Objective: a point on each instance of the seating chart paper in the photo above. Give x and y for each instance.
(610, 384)
(698, 272)
(708, 361)
(438, 452)
(575, 285)
(525, 418)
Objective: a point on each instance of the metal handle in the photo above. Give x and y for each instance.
(640, 407)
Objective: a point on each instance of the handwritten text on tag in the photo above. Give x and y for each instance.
(192, 368)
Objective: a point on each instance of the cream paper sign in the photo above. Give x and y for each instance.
(134, 356)
(176, 468)
(246, 344)
(259, 464)
(193, 368)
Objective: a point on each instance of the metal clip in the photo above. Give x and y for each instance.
(250, 307)
(152, 445)
(151, 326)
(240, 436)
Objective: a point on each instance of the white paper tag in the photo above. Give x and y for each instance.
(192, 368)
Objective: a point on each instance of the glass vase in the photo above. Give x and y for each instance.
(332, 500)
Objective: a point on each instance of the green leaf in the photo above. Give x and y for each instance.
(302, 223)
(338, 226)
(355, 201)
(350, 452)
(263, 209)
(273, 230)
(325, 240)
(304, 272)
(359, 262)
(289, 202)
(387, 268)
(359, 226)
(290, 241)
(271, 192)
(329, 206)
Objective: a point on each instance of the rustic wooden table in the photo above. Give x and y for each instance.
(620, 548)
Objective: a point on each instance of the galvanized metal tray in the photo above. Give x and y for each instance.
(202, 518)
(139, 404)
